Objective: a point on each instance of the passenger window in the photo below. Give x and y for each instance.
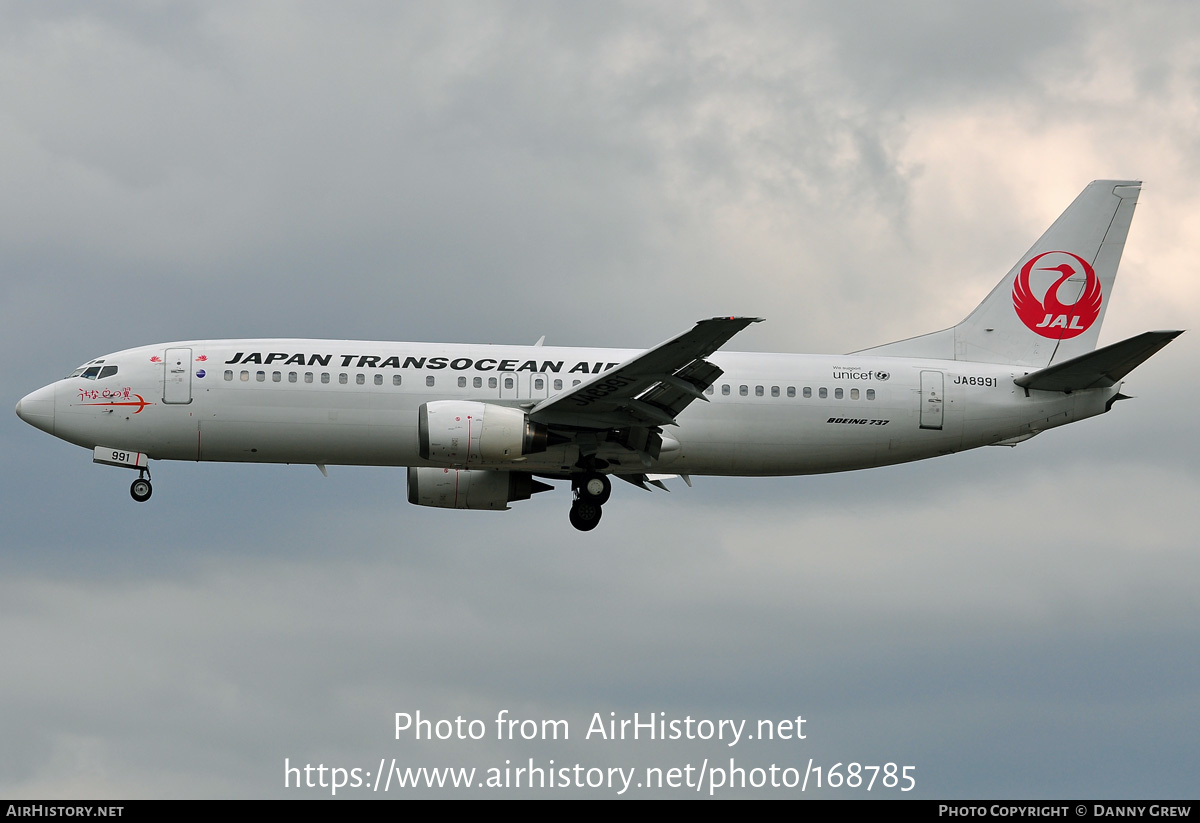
(574, 383)
(808, 391)
(743, 390)
(709, 390)
(823, 392)
(429, 380)
(508, 383)
(229, 374)
(291, 377)
(791, 391)
(837, 394)
(308, 377)
(854, 394)
(343, 378)
(870, 394)
(539, 384)
(395, 380)
(774, 391)
(379, 380)
(477, 382)
(324, 377)
(462, 382)
(758, 391)
(558, 384)
(260, 376)
(244, 376)
(360, 379)
(725, 388)
(276, 377)
(492, 383)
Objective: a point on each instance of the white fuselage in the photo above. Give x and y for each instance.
(356, 403)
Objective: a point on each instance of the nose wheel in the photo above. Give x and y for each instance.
(140, 490)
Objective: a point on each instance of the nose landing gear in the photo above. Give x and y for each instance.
(140, 490)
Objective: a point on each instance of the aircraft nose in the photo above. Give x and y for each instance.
(37, 409)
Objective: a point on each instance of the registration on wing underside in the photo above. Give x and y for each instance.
(650, 389)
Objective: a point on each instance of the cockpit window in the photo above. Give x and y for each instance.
(93, 370)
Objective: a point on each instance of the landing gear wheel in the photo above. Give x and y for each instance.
(585, 515)
(140, 490)
(595, 488)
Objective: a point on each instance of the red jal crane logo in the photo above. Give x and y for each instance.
(1049, 316)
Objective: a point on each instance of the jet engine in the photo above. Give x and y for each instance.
(470, 488)
(459, 433)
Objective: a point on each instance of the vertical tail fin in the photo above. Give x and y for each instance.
(1049, 307)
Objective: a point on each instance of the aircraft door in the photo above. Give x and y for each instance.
(177, 376)
(932, 399)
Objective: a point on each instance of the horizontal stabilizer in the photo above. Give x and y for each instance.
(1100, 368)
(1013, 441)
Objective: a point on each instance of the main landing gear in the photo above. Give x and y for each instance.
(140, 490)
(591, 492)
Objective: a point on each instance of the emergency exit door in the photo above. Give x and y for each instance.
(932, 387)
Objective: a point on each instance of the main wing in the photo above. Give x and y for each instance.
(648, 390)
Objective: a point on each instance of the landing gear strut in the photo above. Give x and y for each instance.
(591, 492)
(140, 490)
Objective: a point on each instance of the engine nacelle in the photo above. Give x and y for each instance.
(470, 488)
(461, 433)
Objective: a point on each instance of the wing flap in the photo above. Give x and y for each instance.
(1100, 368)
(675, 391)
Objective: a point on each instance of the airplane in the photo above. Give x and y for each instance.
(482, 426)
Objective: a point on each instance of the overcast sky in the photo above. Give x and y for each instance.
(1011, 622)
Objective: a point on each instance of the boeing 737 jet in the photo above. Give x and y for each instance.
(480, 427)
